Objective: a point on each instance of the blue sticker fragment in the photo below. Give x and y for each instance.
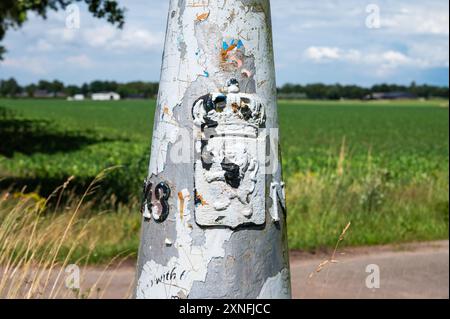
(234, 42)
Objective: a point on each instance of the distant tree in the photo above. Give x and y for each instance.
(320, 91)
(316, 91)
(13, 13)
(85, 89)
(57, 86)
(9, 87)
(71, 90)
(140, 89)
(29, 89)
(103, 86)
(44, 85)
(334, 92)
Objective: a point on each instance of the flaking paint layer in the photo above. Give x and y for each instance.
(209, 262)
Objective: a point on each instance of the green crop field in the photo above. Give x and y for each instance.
(381, 165)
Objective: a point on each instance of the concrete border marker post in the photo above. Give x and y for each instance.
(214, 211)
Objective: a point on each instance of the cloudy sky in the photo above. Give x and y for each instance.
(315, 41)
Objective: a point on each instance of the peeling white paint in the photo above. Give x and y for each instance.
(177, 277)
(193, 64)
(181, 67)
(147, 214)
(278, 195)
(277, 287)
(165, 134)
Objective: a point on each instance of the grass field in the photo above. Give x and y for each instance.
(383, 166)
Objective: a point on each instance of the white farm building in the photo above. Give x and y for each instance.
(76, 97)
(105, 96)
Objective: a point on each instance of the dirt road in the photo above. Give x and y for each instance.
(405, 271)
(408, 271)
(401, 271)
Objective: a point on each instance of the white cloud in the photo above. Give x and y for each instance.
(99, 36)
(430, 54)
(404, 16)
(108, 37)
(35, 66)
(82, 61)
(62, 35)
(308, 35)
(322, 54)
(388, 59)
(432, 20)
(42, 45)
(136, 38)
(328, 54)
(131, 37)
(419, 56)
(383, 62)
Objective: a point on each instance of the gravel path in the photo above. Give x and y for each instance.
(405, 271)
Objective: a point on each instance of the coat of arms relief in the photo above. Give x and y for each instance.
(229, 175)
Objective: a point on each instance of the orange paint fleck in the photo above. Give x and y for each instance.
(166, 110)
(202, 200)
(181, 198)
(224, 53)
(202, 17)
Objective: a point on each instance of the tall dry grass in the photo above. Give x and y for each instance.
(383, 209)
(38, 243)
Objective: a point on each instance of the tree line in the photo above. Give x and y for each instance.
(140, 89)
(337, 91)
(137, 89)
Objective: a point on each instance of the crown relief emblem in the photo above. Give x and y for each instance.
(227, 171)
(230, 112)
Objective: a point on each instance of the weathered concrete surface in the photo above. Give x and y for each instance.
(407, 271)
(221, 218)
